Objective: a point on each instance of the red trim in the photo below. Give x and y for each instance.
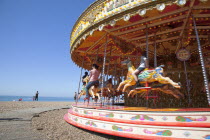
(176, 124)
(120, 134)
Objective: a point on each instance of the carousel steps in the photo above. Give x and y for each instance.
(142, 125)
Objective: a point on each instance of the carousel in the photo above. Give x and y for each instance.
(174, 101)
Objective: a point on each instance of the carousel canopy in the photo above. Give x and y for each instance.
(121, 29)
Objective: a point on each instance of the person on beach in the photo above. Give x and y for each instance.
(94, 74)
(75, 96)
(83, 77)
(142, 66)
(36, 96)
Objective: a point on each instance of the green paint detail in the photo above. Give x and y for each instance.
(137, 117)
(143, 75)
(83, 88)
(114, 127)
(146, 117)
(93, 123)
(180, 119)
(111, 115)
(167, 133)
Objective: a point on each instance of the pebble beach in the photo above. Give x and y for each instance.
(50, 124)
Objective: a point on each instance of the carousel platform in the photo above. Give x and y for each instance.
(142, 123)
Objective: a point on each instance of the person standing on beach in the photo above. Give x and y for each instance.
(36, 96)
(75, 96)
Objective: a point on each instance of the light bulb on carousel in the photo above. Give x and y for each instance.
(160, 7)
(181, 2)
(142, 12)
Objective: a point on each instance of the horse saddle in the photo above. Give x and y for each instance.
(143, 75)
(96, 85)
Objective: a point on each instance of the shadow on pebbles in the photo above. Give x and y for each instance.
(52, 125)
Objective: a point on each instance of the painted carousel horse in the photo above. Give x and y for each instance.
(91, 90)
(118, 94)
(165, 88)
(95, 89)
(108, 90)
(150, 76)
(129, 81)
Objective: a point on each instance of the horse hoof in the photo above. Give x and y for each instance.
(177, 87)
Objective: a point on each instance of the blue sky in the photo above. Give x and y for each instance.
(34, 47)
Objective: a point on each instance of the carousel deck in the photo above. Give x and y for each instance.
(142, 123)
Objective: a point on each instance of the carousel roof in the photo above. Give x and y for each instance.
(125, 28)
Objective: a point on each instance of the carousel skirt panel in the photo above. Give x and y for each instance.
(142, 123)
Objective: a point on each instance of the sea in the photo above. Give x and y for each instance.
(30, 98)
